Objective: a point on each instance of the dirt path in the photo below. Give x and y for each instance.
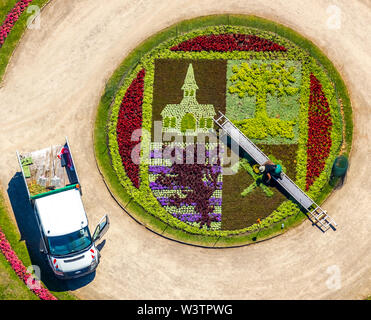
(53, 85)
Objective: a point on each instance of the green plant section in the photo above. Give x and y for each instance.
(157, 48)
(263, 99)
(188, 123)
(20, 26)
(261, 127)
(309, 47)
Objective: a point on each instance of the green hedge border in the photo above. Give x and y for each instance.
(132, 61)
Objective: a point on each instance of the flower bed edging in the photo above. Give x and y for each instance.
(20, 269)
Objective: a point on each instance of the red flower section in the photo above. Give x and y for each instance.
(12, 18)
(319, 132)
(130, 120)
(228, 42)
(21, 270)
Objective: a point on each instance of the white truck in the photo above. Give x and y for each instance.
(55, 193)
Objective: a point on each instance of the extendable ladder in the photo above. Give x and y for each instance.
(317, 215)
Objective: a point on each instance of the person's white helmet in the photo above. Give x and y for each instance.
(262, 169)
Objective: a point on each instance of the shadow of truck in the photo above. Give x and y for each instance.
(30, 233)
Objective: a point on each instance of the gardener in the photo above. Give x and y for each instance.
(270, 169)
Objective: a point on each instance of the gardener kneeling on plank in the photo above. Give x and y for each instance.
(270, 169)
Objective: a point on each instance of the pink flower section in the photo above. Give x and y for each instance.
(20, 269)
(12, 18)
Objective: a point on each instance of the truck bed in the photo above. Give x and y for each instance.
(44, 171)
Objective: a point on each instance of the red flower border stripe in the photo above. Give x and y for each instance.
(20, 269)
(228, 42)
(129, 120)
(11, 18)
(319, 131)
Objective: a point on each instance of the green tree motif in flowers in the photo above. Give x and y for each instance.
(259, 81)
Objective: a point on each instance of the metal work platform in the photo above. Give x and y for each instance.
(48, 169)
(317, 214)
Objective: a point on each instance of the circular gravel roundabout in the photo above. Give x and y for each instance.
(164, 157)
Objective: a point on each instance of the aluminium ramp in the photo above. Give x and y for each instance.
(316, 212)
(244, 142)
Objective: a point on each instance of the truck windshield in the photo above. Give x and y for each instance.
(70, 243)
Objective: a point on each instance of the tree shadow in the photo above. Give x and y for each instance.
(337, 182)
(30, 233)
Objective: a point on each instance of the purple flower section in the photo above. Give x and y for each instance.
(171, 183)
(219, 185)
(216, 169)
(156, 169)
(159, 169)
(156, 154)
(215, 201)
(189, 217)
(157, 186)
(164, 201)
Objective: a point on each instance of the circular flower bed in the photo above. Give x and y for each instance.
(273, 90)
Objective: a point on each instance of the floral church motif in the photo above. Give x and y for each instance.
(188, 117)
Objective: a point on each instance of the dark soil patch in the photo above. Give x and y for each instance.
(240, 212)
(286, 153)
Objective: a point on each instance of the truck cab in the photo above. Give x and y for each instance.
(55, 193)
